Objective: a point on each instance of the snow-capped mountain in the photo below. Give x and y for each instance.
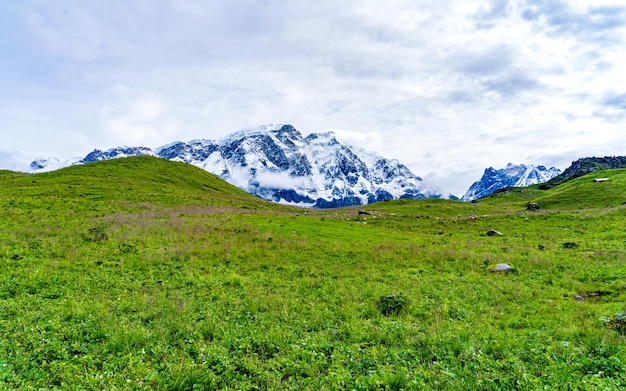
(51, 163)
(511, 176)
(97, 155)
(277, 163)
(47, 164)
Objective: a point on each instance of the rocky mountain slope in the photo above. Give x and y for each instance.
(585, 166)
(511, 176)
(277, 163)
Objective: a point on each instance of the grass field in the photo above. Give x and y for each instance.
(141, 273)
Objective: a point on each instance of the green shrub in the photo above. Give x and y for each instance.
(392, 304)
(95, 234)
(570, 245)
(126, 248)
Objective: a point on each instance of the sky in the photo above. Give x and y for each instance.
(448, 88)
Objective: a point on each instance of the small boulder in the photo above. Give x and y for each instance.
(579, 298)
(493, 232)
(533, 206)
(502, 268)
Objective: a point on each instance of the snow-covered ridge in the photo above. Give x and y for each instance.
(512, 176)
(44, 164)
(277, 163)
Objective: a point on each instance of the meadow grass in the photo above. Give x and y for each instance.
(146, 274)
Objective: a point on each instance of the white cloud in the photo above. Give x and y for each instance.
(136, 117)
(370, 139)
(239, 177)
(449, 88)
(13, 161)
(279, 180)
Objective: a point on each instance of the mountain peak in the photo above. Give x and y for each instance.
(261, 130)
(327, 138)
(514, 175)
(276, 163)
(98, 155)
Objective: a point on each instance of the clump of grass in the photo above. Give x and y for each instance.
(395, 381)
(392, 304)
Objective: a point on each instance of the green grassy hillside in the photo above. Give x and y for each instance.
(579, 193)
(142, 273)
(134, 179)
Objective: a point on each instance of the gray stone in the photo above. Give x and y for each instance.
(503, 268)
(493, 232)
(533, 206)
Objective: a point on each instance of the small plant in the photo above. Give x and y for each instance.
(392, 304)
(95, 234)
(395, 381)
(616, 322)
(126, 248)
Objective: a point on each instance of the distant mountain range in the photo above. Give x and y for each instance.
(277, 163)
(526, 175)
(512, 176)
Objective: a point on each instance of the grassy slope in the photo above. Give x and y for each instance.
(141, 273)
(134, 179)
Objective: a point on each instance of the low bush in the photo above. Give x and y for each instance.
(95, 234)
(392, 304)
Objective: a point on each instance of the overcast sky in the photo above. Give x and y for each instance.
(447, 87)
